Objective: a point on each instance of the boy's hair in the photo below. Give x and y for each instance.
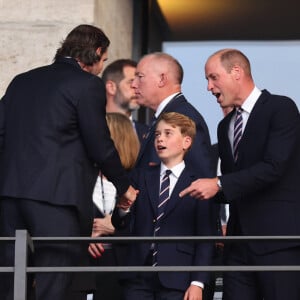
(187, 125)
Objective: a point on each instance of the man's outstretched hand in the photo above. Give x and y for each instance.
(203, 189)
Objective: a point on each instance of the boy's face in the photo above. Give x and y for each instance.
(170, 144)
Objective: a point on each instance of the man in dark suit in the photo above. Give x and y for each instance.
(120, 96)
(260, 181)
(158, 86)
(179, 217)
(54, 139)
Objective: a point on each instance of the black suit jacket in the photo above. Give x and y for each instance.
(54, 137)
(185, 216)
(199, 155)
(141, 130)
(263, 187)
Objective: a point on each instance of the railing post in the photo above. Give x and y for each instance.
(20, 275)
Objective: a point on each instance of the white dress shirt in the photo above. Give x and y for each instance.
(247, 107)
(104, 195)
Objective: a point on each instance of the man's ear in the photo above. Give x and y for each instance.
(111, 87)
(237, 72)
(98, 51)
(163, 80)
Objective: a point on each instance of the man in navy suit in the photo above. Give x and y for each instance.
(120, 95)
(158, 86)
(261, 183)
(53, 141)
(179, 217)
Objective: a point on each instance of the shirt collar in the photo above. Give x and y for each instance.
(251, 100)
(176, 170)
(164, 103)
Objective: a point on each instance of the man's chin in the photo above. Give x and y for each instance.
(134, 107)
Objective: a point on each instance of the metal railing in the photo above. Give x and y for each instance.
(23, 243)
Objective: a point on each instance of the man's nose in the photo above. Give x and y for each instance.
(134, 83)
(209, 85)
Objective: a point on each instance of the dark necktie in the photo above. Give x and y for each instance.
(164, 196)
(237, 133)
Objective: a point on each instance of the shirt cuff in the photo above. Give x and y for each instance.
(198, 283)
(123, 212)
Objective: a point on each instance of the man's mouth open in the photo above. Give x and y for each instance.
(217, 95)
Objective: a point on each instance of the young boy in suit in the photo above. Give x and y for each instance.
(160, 211)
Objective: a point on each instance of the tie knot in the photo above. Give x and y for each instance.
(168, 172)
(239, 110)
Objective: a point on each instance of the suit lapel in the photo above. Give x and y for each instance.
(226, 149)
(152, 183)
(254, 120)
(183, 181)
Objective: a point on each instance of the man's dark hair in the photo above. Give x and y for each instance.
(114, 71)
(81, 44)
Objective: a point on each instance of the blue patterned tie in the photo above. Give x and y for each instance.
(237, 134)
(164, 197)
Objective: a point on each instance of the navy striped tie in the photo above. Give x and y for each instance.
(237, 134)
(164, 196)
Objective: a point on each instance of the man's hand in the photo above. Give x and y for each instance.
(193, 293)
(102, 226)
(202, 189)
(96, 249)
(126, 200)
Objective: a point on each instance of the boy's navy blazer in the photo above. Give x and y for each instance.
(185, 216)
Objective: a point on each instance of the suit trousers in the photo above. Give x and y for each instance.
(275, 285)
(148, 287)
(41, 220)
(107, 283)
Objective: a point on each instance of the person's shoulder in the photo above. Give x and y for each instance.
(182, 105)
(277, 101)
(275, 98)
(139, 175)
(143, 171)
(190, 171)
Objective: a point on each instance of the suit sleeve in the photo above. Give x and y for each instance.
(96, 135)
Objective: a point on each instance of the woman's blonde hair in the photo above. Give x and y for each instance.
(124, 137)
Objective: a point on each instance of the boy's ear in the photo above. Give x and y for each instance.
(187, 142)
